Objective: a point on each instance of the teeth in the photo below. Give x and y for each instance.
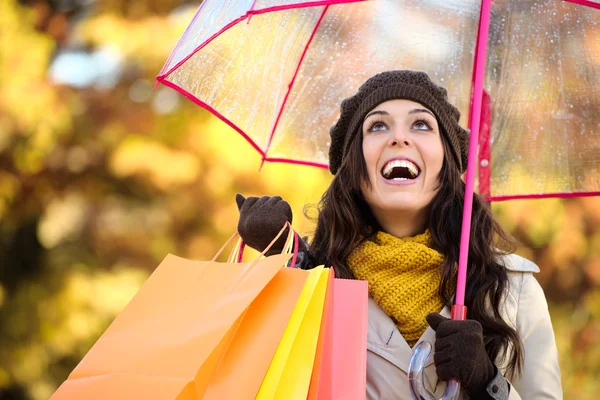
(412, 168)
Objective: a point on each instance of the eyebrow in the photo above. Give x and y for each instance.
(377, 112)
(421, 110)
(413, 111)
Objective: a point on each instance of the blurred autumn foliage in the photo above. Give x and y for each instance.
(100, 178)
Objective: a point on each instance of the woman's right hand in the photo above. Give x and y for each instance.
(261, 219)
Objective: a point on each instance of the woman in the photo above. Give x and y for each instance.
(392, 216)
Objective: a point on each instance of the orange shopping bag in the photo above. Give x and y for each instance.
(290, 370)
(184, 331)
(243, 367)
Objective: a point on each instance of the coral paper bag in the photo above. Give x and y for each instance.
(342, 373)
(167, 342)
(349, 353)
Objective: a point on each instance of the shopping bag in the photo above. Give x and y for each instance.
(349, 351)
(171, 338)
(290, 371)
(320, 374)
(342, 373)
(243, 367)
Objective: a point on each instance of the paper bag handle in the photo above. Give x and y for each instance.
(238, 249)
(225, 245)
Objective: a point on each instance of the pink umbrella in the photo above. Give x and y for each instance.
(277, 70)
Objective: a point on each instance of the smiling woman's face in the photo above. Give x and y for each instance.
(404, 155)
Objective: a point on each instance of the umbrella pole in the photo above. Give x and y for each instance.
(459, 311)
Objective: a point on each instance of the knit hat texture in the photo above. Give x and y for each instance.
(389, 85)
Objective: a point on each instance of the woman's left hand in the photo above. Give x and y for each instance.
(460, 353)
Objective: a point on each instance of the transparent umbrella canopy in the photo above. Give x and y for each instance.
(277, 71)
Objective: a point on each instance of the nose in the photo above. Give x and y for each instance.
(399, 138)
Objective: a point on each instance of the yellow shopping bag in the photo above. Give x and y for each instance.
(290, 371)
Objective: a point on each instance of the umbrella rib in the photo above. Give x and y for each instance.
(291, 84)
(586, 3)
(213, 111)
(560, 195)
(204, 44)
(306, 4)
(236, 21)
(182, 38)
(297, 162)
(484, 145)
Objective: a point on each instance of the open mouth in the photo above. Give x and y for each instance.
(400, 170)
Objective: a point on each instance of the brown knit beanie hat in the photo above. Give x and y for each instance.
(389, 85)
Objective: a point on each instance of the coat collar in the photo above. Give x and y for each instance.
(385, 340)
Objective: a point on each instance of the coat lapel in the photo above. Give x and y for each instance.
(429, 336)
(385, 340)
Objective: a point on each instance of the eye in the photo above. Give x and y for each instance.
(422, 125)
(376, 126)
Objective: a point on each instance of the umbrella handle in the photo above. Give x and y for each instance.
(419, 359)
(415, 376)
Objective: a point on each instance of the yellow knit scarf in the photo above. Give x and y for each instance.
(404, 276)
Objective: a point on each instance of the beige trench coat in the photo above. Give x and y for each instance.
(525, 308)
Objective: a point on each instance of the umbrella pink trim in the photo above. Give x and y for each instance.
(212, 110)
(241, 252)
(297, 162)
(485, 146)
(567, 195)
(585, 3)
(238, 129)
(474, 120)
(210, 39)
(291, 84)
(248, 15)
(306, 4)
(296, 246)
(185, 33)
(251, 9)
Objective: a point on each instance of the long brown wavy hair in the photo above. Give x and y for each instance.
(345, 220)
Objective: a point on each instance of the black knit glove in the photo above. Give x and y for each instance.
(260, 221)
(460, 353)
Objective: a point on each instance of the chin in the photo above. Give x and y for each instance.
(398, 201)
(402, 204)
